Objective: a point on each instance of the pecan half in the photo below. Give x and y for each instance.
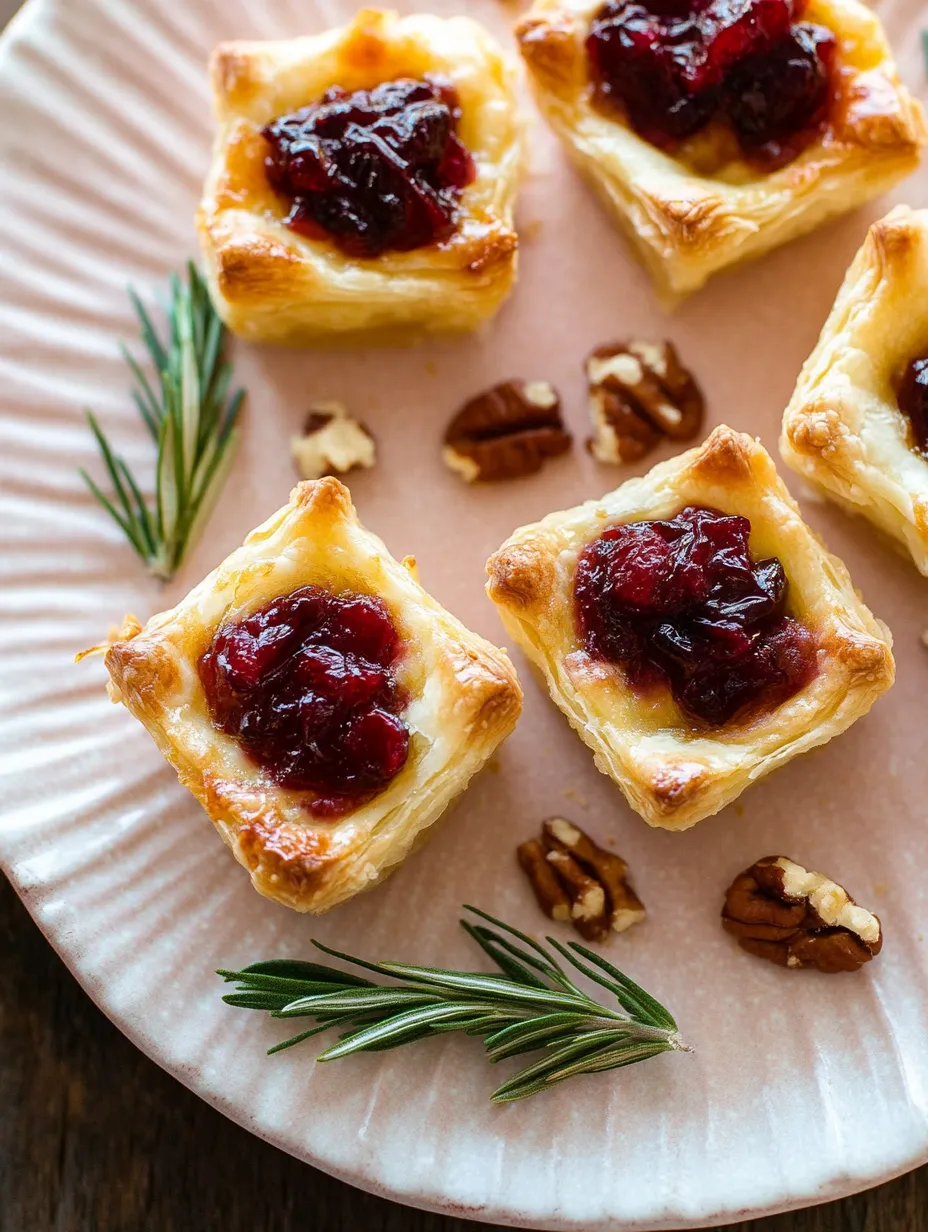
(587, 896)
(506, 432)
(332, 443)
(553, 899)
(590, 885)
(780, 911)
(638, 393)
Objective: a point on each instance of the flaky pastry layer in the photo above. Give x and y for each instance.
(269, 283)
(843, 429)
(672, 771)
(464, 699)
(686, 225)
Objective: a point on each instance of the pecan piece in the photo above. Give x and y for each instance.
(587, 897)
(780, 911)
(332, 443)
(506, 432)
(553, 899)
(609, 869)
(638, 393)
(590, 886)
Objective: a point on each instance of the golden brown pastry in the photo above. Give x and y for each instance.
(269, 282)
(704, 208)
(673, 769)
(454, 696)
(843, 429)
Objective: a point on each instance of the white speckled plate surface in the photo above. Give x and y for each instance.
(801, 1088)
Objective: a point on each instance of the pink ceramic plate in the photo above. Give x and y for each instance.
(801, 1088)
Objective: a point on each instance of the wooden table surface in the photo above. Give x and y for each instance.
(95, 1138)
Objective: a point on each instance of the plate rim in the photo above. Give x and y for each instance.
(452, 1210)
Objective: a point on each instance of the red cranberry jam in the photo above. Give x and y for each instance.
(307, 687)
(674, 65)
(913, 401)
(684, 602)
(372, 170)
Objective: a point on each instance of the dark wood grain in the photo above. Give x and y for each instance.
(95, 1138)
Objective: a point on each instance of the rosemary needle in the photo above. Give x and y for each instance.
(191, 419)
(532, 1005)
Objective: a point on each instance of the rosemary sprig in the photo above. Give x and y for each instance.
(532, 1006)
(192, 420)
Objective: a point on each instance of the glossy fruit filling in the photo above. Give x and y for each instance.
(672, 66)
(684, 602)
(374, 170)
(307, 686)
(912, 395)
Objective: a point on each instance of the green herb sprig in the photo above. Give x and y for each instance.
(192, 421)
(533, 1006)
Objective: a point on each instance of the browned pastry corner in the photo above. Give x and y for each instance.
(332, 443)
(575, 879)
(780, 911)
(506, 432)
(639, 392)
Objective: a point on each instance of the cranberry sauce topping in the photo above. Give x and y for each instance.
(674, 65)
(912, 395)
(307, 687)
(373, 170)
(685, 602)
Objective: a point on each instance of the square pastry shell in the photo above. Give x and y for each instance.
(271, 284)
(672, 771)
(464, 699)
(843, 429)
(686, 225)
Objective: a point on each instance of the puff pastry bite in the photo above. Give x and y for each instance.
(320, 705)
(301, 283)
(855, 425)
(701, 203)
(711, 665)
